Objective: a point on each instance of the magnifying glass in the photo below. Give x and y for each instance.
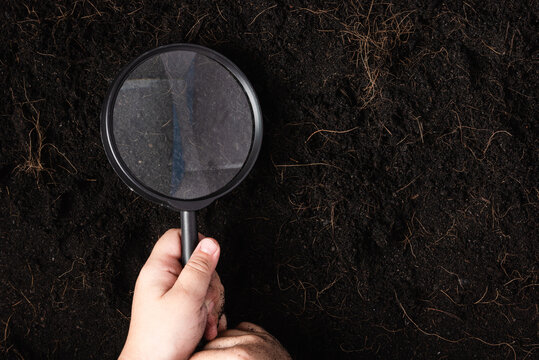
(181, 126)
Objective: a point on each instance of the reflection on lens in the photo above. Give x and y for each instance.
(182, 124)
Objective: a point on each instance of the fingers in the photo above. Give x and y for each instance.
(218, 355)
(195, 278)
(244, 328)
(248, 341)
(247, 326)
(210, 332)
(167, 247)
(215, 326)
(233, 332)
(230, 341)
(222, 324)
(215, 295)
(162, 268)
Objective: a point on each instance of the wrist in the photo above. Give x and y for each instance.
(130, 352)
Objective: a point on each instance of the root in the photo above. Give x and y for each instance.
(33, 161)
(331, 132)
(3, 343)
(260, 13)
(373, 37)
(455, 341)
(463, 138)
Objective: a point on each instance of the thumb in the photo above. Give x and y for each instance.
(196, 275)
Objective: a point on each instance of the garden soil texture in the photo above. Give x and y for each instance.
(392, 213)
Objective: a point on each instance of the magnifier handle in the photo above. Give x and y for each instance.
(189, 234)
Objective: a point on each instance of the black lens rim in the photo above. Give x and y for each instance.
(107, 134)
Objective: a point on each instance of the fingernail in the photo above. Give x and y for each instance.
(208, 246)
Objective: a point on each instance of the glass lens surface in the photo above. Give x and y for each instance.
(182, 124)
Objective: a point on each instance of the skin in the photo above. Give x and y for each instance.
(248, 341)
(174, 307)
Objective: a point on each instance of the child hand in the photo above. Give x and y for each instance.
(174, 307)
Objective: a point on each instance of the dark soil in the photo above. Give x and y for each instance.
(392, 213)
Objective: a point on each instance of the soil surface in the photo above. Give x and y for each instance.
(392, 213)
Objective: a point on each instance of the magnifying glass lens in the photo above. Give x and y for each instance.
(183, 124)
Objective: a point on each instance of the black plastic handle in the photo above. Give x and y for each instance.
(189, 234)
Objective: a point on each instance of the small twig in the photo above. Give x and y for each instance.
(260, 13)
(450, 298)
(96, 9)
(446, 313)
(420, 329)
(420, 126)
(5, 329)
(220, 13)
(494, 344)
(123, 315)
(454, 274)
(482, 297)
(405, 186)
(491, 137)
(195, 25)
(331, 131)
